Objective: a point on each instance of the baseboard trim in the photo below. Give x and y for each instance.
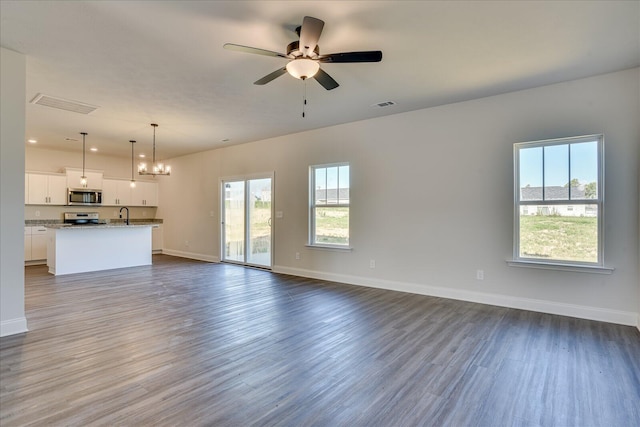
(542, 306)
(191, 255)
(13, 326)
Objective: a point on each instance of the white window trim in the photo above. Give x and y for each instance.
(311, 243)
(517, 260)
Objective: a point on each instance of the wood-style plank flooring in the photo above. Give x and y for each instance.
(188, 343)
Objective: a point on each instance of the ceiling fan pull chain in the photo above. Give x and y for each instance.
(304, 98)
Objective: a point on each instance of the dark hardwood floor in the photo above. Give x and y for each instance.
(188, 343)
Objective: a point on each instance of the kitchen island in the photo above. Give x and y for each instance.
(83, 248)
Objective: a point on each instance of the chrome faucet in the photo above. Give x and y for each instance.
(127, 220)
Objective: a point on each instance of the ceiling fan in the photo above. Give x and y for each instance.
(305, 57)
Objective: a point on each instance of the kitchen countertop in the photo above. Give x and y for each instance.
(59, 222)
(94, 226)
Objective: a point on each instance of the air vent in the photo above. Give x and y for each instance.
(384, 104)
(63, 104)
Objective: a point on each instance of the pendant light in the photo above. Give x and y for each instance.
(156, 168)
(132, 184)
(83, 178)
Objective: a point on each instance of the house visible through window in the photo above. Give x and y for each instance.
(329, 205)
(559, 201)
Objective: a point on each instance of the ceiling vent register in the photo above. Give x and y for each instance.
(63, 104)
(384, 104)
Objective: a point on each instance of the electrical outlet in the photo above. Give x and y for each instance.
(211, 214)
(372, 263)
(480, 274)
(37, 213)
(144, 213)
(297, 255)
(186, 243)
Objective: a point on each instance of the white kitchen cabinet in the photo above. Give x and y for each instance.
(38, 243)
(145, 194)
(35, 243)
(47, 189)
(157, 241)
(94, 178)
(26, 188)
(116, 192)
(27, 243)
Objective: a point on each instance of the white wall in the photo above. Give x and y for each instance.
(415, 176)
(12, 122)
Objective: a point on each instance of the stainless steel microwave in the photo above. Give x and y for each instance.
(84, 196)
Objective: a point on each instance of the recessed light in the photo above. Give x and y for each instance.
(32, 141)
(93, 149)
(142, 156)
(225, 140)
(70, 139)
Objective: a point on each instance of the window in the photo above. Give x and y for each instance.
(558, 212)
(329, 205)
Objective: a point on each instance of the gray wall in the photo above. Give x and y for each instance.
(432, 198)
(12, 94)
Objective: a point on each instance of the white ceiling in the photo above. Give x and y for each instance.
(163, 62)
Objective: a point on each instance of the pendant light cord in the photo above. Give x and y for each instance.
(132, 142)
(83, 178)
(83, 152)
(154, 144)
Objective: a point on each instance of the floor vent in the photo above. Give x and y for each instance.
(384, 104)
(63, 104)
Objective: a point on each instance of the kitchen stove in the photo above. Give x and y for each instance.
(82, 218)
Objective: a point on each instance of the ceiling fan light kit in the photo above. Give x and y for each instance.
(303, 68)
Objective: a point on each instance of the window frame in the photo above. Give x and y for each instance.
(582, 266)
(312, 207)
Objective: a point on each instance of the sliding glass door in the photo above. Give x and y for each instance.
(246, 220)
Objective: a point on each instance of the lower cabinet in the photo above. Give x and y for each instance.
(27, 243)
(156, 238)
(35, 243)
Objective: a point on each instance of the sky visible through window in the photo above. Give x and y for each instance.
(332, 177)
(584, 164)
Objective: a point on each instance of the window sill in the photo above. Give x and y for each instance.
(561, 267)
(331, 247)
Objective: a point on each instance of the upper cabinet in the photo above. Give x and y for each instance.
(118, 192)
(144, 194)
(46, 189)
(51, 189)
(94, 178)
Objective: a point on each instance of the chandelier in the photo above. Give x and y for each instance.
(156, 168)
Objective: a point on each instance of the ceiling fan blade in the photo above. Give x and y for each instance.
(266, 79)
(367, 56)
(325, 80)
(248, 49)
(310, 34)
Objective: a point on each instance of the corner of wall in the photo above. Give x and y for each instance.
(13, 326)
